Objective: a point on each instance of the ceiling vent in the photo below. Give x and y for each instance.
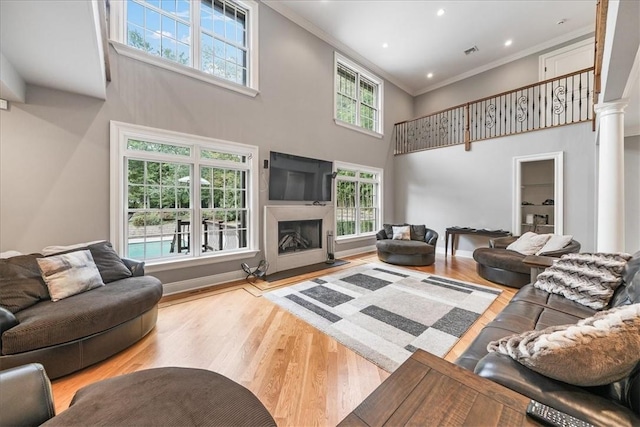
(471, 50)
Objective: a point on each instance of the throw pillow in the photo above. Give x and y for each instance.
(597, 350)
(418, 232)
(54, 250)
(110, 265)
(69, 274)
(21, 284)
(555, 243)
(388, 229)
(588, 279)
(9, 254)
(529, 243)
(402, 233)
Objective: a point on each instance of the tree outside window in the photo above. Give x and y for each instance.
(357, 202)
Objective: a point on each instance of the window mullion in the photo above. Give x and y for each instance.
(357, 208)
(195, 35)
(358, 99)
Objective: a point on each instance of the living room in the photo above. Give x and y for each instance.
(56, 175)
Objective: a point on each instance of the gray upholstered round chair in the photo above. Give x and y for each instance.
(151, 397)
(419, 250)
(501, 265)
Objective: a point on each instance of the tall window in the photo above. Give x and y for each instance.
(358, 200)
(182, 196)
(216, 37)
(358, 95)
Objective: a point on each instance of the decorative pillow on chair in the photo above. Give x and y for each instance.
(588, 279)
(418, 232)
(402, 233)
(597, 350)
(21, 284)
(69, 274)
(529, 243)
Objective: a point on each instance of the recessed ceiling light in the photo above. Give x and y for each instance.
(430, 75)
(508, 42)
(440, 12)
(385, 45)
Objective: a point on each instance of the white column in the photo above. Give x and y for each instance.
(610, 223)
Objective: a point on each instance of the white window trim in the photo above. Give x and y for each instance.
(340, 59)
(120, 133)
(380, 181)
(118, 41)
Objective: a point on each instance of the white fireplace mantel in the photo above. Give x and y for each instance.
(276, 213)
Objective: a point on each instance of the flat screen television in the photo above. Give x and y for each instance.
(296, 178)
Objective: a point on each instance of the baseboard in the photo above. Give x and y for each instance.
(355, 251)
(459, 253)
(202, 282)
(231, 276)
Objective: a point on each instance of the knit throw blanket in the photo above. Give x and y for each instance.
(586, 278)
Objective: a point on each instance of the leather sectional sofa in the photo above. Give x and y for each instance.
(616, 404)
(78, 331)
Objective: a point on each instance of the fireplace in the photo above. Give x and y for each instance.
(294, 236)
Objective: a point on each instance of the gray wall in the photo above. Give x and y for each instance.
(448, 186)
(632, 193)
(54, 150)
(507, 77)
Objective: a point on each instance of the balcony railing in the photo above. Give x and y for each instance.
(555, 102)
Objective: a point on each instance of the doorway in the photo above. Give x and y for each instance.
(538, 194)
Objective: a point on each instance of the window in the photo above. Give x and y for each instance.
(216, 37)
(179, 197)
(358, 200)
(358, 97)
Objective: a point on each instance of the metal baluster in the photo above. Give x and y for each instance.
(565, 100)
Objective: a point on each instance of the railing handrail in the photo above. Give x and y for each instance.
(542, 82)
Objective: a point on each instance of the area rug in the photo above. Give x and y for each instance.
(385, 313)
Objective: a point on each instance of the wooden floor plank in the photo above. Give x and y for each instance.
(301, 375)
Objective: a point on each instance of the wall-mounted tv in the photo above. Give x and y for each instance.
(296, 178)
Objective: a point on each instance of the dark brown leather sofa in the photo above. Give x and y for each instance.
(73, 333)
(420, 250)
(500, 265)
(616, 404)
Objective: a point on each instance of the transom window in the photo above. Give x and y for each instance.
(358, 96)
(181, 196)
(216, 37)
(358, 200)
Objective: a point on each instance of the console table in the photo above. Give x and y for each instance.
(429, 391)
(455, 231)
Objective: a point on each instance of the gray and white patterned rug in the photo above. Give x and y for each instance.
(385, 313)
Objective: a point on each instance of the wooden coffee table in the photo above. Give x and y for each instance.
(538, 264)
(429, 391)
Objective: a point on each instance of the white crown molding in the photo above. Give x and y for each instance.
(313, 29)
(523, 53)
(346, 50)
(632, 131)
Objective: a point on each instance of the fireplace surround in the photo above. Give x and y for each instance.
(294, 219)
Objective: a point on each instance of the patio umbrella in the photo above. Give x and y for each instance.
(188, 178)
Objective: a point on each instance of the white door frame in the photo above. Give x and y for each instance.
(558, 189)
(586, 45)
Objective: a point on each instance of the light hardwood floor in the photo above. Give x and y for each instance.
(303, 377)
